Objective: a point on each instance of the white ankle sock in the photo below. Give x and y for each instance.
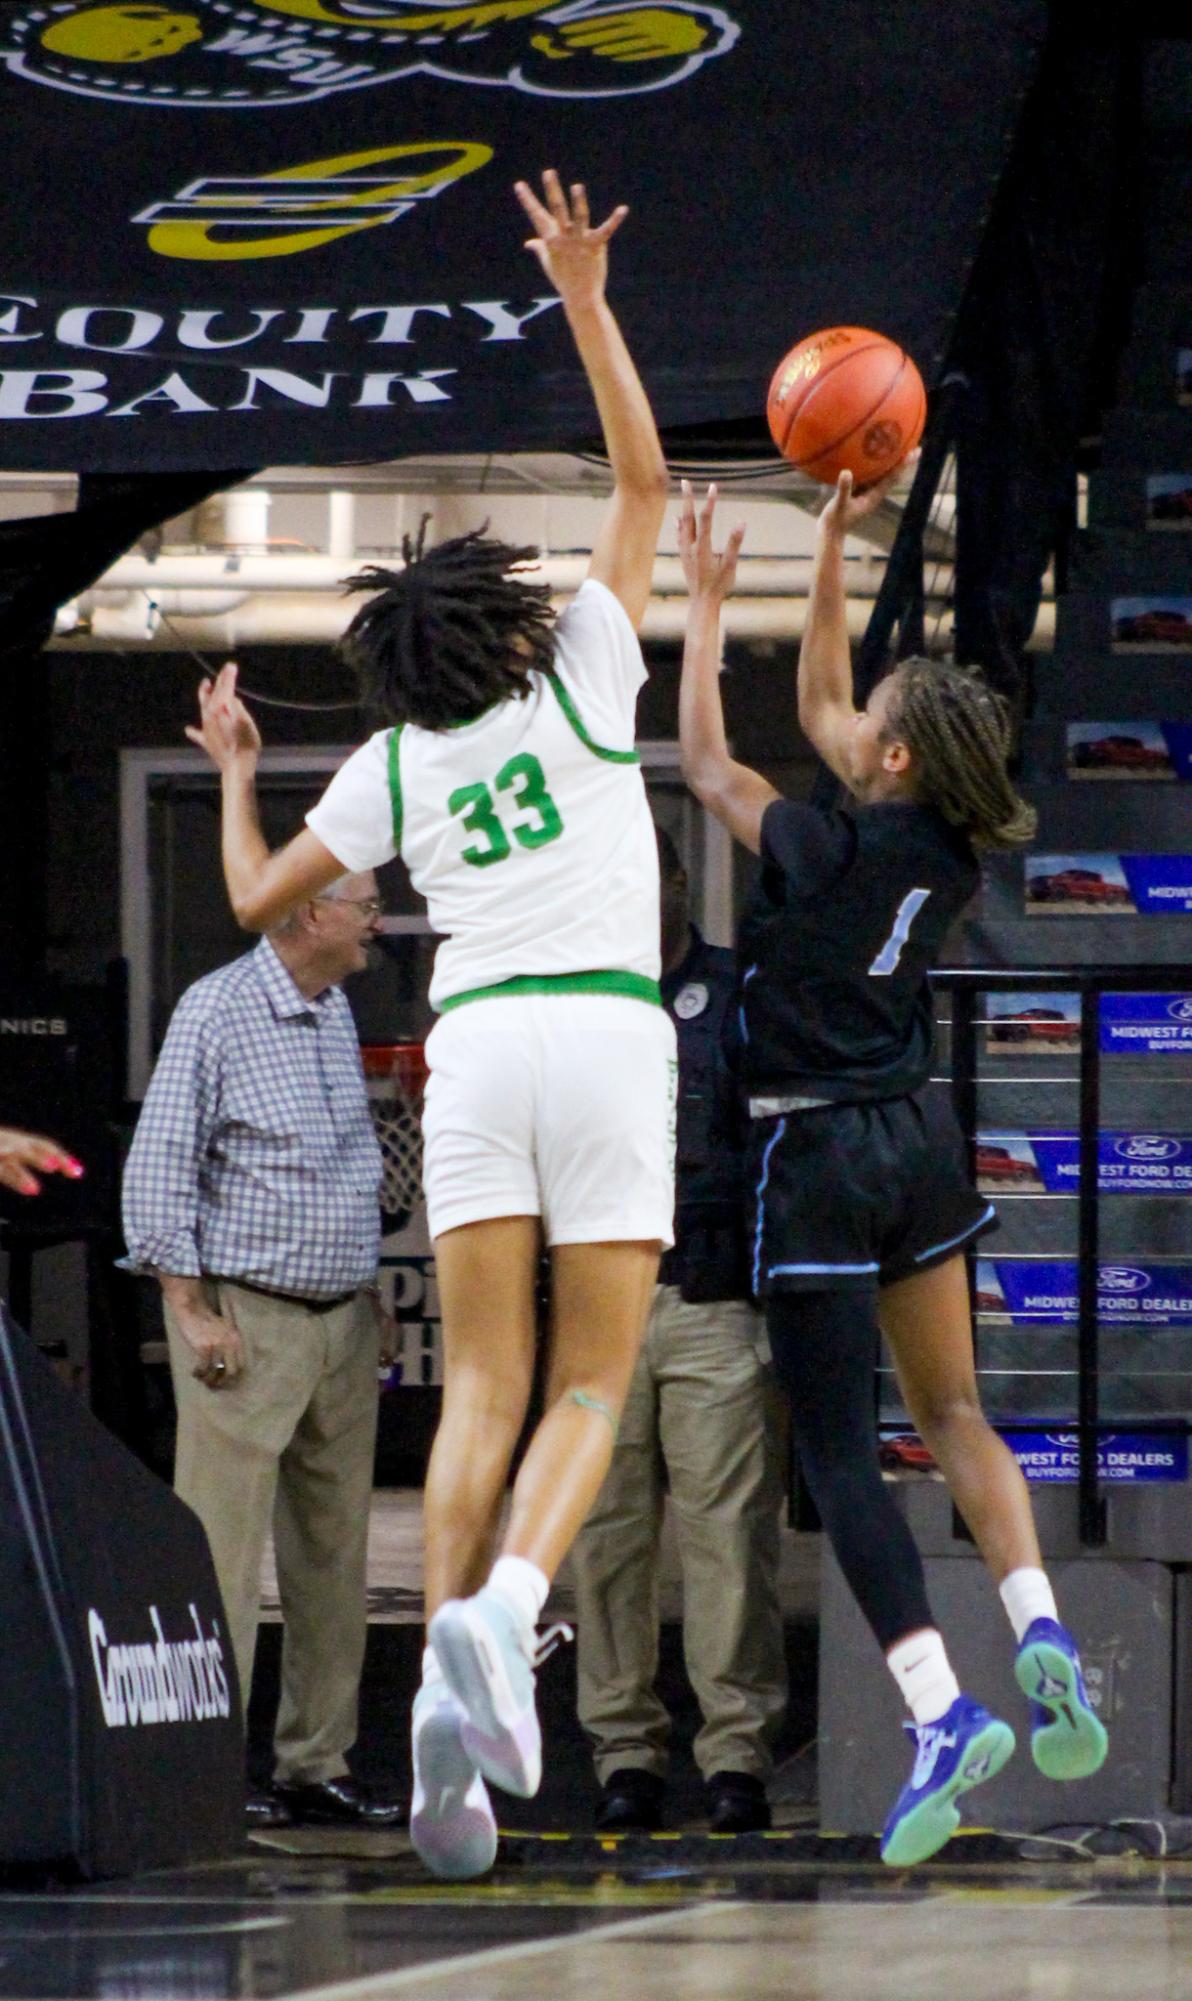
(923, 1672)
(1027, 1595)
(431, 1671)
(521, 1585)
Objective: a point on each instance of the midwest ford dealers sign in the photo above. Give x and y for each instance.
(1049, 1163)
(1044, 1290)
(1123, 1457)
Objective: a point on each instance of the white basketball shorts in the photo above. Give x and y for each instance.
(553, 1105)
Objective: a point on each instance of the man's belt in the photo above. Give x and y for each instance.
(290, 1298)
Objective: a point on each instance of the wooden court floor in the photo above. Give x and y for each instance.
(685, 1920)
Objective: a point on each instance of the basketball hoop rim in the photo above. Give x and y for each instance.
(399, 1060)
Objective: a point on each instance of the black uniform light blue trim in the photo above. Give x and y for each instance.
(763, 1180)
(961, 1237)
(779, 1271)
(745, 979)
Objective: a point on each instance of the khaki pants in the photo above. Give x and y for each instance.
(290, 1441)
(701, 1407)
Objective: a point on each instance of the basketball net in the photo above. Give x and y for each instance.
(395, 1073)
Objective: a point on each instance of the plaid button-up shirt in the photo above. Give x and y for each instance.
(255, 1156)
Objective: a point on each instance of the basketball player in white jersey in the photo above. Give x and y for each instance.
(509, 784)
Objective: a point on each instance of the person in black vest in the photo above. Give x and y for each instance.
(862, 1204)
(699, 1419)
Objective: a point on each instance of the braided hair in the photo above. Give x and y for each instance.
(958, 730)
(451, 633)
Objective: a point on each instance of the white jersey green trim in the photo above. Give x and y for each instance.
(395, 804)
(631, 986)
(526, 828)
(577, 723)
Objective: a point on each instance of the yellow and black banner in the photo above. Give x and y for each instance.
(282, 231)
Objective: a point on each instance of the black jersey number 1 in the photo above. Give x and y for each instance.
(891, 952)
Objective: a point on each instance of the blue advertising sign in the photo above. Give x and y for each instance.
(1049, 1163)
(1146, 1024)
(1159, 883)
(1124, 1457)
(1043, 1291)
(1052, 1458)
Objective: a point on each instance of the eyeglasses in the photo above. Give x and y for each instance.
(369, 906)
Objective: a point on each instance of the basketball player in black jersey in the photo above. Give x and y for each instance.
(863, 1207)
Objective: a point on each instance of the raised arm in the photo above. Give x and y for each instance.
(735, 793)
(827, 711)
(574, 255)
(261, 886)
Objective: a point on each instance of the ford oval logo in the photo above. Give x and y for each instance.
(1181, 1010)
(1123, 1278)
(1147, 1146)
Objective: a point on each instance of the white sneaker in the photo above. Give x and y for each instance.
(488, 1659)
(451, 1819)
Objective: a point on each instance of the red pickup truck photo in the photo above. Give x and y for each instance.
(1078, 886)
(1127, 754)
(996, 1167)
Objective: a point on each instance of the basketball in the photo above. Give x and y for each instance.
(846, 399)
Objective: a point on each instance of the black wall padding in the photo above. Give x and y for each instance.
(790, 164)
(1040, 333)
(122, 1744)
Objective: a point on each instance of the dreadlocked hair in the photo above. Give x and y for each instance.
(959, 732)
(451, 633)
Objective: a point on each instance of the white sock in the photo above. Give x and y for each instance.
(521, 1585)
(431, 1671)
(924, 1674)
(1027, 1595)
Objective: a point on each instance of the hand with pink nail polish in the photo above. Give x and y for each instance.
(24, 1155)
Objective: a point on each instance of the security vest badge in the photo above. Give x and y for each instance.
(691, 1000)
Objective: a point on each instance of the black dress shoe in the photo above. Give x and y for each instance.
(266, 1810)
(737, 1804)
(338, 1803)
(630, 1803)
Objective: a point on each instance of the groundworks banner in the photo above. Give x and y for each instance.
(245, 232)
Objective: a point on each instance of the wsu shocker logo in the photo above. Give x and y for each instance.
(216, 53)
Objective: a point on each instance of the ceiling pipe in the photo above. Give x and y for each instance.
(236, 520)
(341, 525)
(277, 620)
(761, 576)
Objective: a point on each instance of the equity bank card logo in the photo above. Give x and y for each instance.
(214, 53)
(225, 218)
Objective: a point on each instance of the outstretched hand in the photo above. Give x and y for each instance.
(571, 250)
(24, 1156)
(226, 731)
(846, 508)
(709, 574)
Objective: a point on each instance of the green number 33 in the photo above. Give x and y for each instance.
(539, 820)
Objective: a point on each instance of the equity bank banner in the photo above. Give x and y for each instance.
(282, 231)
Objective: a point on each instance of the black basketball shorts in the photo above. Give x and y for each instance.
(857, 1196)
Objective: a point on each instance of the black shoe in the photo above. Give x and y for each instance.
(337, 1803)
(737, 1804)
(630, 1803)
(266, 1810)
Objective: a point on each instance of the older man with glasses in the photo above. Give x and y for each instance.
(251, 1193)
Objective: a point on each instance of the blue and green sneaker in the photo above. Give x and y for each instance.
(1068, 1738)
(967, 1745)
